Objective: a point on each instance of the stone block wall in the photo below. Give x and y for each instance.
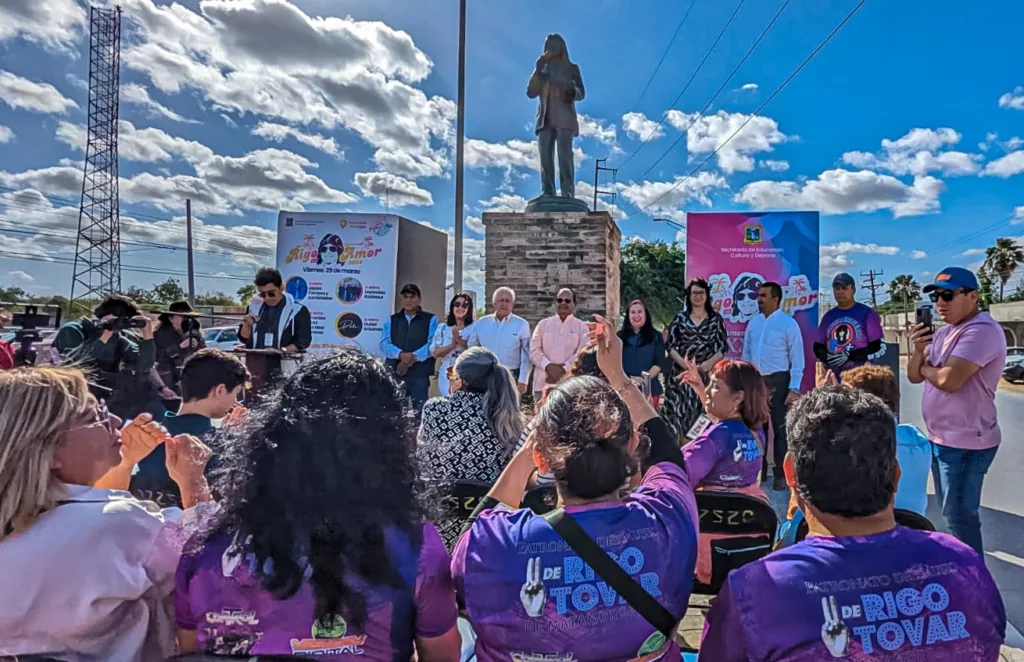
(537, 253)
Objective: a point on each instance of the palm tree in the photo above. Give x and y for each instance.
(904, 288)
(1002, 259)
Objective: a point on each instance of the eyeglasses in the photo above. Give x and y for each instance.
(564, 300)
(946, 295)
(103, 419)
(269, 293)
(460, 304)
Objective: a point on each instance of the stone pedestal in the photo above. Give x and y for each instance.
(536, 253)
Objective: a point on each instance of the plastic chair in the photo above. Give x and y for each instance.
(750, 524)
(465, 497)
(907, 518)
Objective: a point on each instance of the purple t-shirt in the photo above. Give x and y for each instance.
(845, 330)
(218, 596)
(967, 418)
(726, 455)
(898, 595)
(530, 597)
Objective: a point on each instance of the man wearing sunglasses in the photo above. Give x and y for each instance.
(277, 320)
(960, 365)
(556, 342)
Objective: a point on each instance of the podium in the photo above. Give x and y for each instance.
(265, 368)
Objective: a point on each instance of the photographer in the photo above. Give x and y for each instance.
(116, 349)
(177, 338)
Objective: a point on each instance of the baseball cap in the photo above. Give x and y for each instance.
(844, 280)
(953, 278)
(411, 289)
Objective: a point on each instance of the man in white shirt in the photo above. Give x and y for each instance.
(556, 342)
(506, 335)
(774, 345)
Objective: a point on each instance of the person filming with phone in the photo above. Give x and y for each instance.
(960, 365)
(179, 336)
(116, 349)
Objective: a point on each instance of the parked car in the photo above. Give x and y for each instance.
(221, 337)
(1013, 371)
(1014, 351)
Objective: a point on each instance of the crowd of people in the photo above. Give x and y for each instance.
(318, 523)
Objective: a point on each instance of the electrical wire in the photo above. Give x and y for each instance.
(66, 259)
(770, 98)
(664, 55)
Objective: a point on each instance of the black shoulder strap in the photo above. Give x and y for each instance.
(610, 571)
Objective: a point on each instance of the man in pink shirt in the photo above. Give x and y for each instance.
(960, 365)
(556, 342)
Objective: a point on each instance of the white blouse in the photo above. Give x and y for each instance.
(443, 338)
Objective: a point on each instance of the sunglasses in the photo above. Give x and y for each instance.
(102, 420)
(945, 295)
(564, 300)
(460, 304)
(743, 296)
(270, 293)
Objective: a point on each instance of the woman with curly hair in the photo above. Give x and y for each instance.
(321, 546)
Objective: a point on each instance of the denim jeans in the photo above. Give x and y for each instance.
(958, 475)
(418, 390)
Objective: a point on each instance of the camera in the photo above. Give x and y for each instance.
(190, 325)
(121, 323)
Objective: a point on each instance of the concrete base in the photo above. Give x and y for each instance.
(536, 253)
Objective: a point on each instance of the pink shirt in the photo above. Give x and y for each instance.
(555, 341)
(967, 418)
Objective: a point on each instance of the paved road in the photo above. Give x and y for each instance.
(1002, 499)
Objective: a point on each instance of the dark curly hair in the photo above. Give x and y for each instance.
(843, 444)
(583, 431)
(319, 476)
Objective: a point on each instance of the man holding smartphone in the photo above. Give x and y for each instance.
(960, 366)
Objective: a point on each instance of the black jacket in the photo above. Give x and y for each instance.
(170, 356)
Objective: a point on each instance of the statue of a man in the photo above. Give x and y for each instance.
(558, 85)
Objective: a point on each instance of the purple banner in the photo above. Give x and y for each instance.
(737, 252)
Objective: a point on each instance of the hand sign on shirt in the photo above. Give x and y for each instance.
(834, 632)
(533, 594)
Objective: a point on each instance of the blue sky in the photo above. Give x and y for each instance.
(905, 131)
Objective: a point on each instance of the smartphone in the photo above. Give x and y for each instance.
(924, 316)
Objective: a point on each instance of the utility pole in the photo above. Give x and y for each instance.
(598, 168)
(872, 285)
(188, 238)
(460, 135)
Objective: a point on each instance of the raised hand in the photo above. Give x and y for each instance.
(838, 359)
(186, 460)
(921, 336)
(609, 347)
(834, 632)
(236, 416)
(533, 594)
(140, 437)
(691, 374)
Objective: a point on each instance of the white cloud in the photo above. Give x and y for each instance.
(1007, 166)
(970, 252)
(278, 132)
(1018, 216)
(18, 92)
(504, 203)
(854, 247)
(705, 134)
(917, 153)
(918, 255)
(835, 262)
(148, 145)
(1013, 100)
(6, 134)
(269, 58)
(749, 87)
(138, 95)
(667, 198)
(472, 261)
(774, 166)
(638, 127)
(55, 24)
(585, 192)
(843, 191)
(507, 155)
(395, 191)
(20, 275)
(474, 224)
(598, 130)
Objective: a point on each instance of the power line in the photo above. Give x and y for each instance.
(759, 109)
(664, 55)
(693, 77)
(69, 260)
(720, 89)
(872, 285)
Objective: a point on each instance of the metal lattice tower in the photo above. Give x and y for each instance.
(97, 270)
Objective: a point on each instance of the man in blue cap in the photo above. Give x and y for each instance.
(850, 334)
(960, 365)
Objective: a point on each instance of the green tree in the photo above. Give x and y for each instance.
(13, 294)
(905, 290)
(214, 299)
(246, 293)
(655, 273)
(168, 291)
(139, 295)
(1002, 259)
(986, 294)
